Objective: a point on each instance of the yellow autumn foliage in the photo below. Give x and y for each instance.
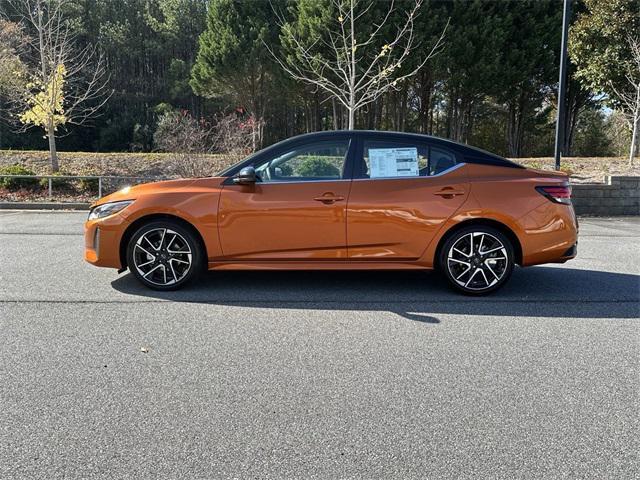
(47, 103)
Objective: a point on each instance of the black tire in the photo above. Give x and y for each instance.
(486, 273)
(155, 252)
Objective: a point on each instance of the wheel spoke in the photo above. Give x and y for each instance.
(173, 272)
(164, 234)
(178, 260)
(492, 250)
(471, 277)
(149, 242)
(461, 252)
(486, 264)
(152, 270)
(470, 244)
(484, 275)
(459, 261)
(145, 251)
(462, 274)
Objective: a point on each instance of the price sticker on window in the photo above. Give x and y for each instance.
(393, 162)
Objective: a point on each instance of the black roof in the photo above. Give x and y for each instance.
(469, 154)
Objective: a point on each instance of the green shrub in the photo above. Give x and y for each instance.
(88, 185)
(317, 167)
(57, 183)
(17, 183)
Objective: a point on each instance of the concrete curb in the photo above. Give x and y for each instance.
(44, 206)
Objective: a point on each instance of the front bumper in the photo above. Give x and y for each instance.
(102, 239)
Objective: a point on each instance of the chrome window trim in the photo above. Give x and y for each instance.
(444, 172)
(284, 182)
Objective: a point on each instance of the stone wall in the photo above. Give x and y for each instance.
(618, 196)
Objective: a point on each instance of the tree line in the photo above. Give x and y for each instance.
(476, 71)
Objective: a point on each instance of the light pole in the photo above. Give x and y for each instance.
(562, 87)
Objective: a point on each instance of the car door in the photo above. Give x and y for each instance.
(402, 193)
(295, 211)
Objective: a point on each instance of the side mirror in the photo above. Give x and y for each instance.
(246, 176)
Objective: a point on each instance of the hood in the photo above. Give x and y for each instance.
(133, 192)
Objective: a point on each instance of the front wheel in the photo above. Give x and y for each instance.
(477, 259)
(163, 255)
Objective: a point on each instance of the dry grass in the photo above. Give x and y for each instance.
(135, 164)
(585, 169)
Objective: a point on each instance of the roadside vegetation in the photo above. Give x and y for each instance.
(193, 78)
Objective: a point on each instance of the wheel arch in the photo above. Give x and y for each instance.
(139, 222)
(488, 222)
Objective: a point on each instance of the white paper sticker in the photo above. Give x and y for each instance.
(393, 162)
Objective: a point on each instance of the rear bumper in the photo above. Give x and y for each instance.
(102, 239)
(551, 234)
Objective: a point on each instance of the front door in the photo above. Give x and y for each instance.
(295, 211)
(402, 194)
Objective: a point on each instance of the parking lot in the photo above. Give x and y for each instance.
(316, 374)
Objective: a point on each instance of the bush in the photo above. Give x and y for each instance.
(317, 167)
(89, 185)
(57, 183)
(17, 183)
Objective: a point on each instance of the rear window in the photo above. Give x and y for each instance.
(397, 159)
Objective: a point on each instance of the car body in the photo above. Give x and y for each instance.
(343, 200)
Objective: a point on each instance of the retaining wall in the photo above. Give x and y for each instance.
(618, 196)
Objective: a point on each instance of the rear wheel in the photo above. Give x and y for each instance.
(163, 255)
(477, 259)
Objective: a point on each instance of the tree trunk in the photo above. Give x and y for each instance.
(53, 154)
(634, 138)
(352, 117)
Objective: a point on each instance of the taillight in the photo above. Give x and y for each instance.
(557, 193)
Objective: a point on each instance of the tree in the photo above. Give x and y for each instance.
(67, 85)
(629, 97)
(13, 71)
(355, 61)
(233, 59)
(601, 46)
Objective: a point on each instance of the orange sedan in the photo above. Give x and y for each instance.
(342, 200)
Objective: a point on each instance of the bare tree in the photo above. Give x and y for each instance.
(356, 71)
(67, 85)
(630, 99)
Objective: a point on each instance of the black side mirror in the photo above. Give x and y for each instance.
(246, 176)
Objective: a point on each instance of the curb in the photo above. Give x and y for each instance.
(44, 206)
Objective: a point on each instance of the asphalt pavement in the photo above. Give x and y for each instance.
(316, 374)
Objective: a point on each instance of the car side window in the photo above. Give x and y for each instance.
(396, 159)
(310, 162)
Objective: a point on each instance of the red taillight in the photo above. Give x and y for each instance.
(557, 193)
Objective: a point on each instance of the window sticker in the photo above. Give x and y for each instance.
(393, 162)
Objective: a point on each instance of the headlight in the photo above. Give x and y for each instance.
(107, 209)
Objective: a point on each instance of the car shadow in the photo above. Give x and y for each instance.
(550, 291)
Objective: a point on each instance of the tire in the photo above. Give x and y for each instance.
(477, 260)
(164, 255)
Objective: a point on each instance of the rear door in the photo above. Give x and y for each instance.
(403, 191)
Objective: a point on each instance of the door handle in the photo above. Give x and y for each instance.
(328, 198)
(449, 192)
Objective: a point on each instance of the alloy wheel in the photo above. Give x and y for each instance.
(162, 256)
(477, 261)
